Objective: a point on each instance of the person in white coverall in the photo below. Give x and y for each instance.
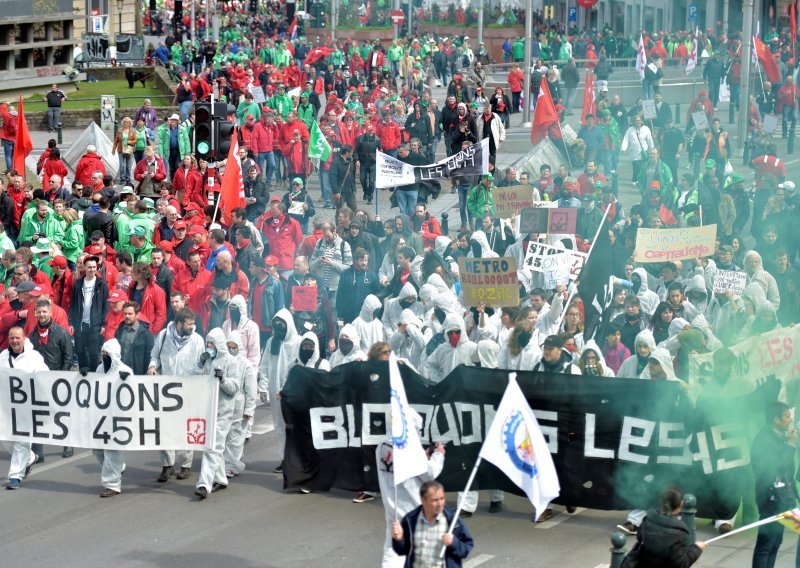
(22, 356)
(246, 398)
(276, 361)
(239, 320)
(457, 349)
(348, 351)
(405, 300)
(408, 342)
(407, 492)
(308, 354)
(370, 328)
(112, 462)
(217, 362)
(176, 352)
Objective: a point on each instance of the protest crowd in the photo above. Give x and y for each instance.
(163, 277)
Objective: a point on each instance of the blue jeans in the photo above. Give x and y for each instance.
(407, 201)
(789, 116)
(124, 168)
(395, 68)
(53, 117)
(647, 86)
(185, 106)
(463, 191)
(280, 166)
(8, 150)
(325, 184)
(768, 542)
(266, 163)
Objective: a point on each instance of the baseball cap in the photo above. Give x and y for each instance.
(166, 246)
(196, 230)
(274, 199)
(96, 250)
(26, 286)
(179, 225)
(737, 178)
(553, 341)
(271, 260)
(788, 186)
(58, 262)
(137, 231)
(117, 296)
(36, 292)
(42, 245)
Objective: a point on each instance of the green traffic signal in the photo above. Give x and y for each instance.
(203, 148)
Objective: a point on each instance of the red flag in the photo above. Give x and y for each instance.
(589, 106)
(793, 24)
(231, 194)
(767, 61)
(545, 115)
(23, 144)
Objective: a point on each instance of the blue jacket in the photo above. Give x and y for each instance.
(272, 301)
(354, 287)
(455, 553)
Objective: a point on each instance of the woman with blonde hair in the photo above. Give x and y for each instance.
(521, 352)
(124, 145)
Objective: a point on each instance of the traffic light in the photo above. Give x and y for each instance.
(203, 131)
(224, 139)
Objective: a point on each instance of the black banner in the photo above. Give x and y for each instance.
(616, 443)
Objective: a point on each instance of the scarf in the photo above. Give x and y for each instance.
(244, 244)
(44, 332)
(179, 342)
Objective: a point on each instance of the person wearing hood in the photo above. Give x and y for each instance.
(224, 368)
(358, 236)
(22, 356)
(479, 246)
(443, 246)
(369, 328)
(408, 341)
(660, 322)
(589, 218)
(591, 362)
(400, 500)
(394, 308)
(647, 298)
(614, 353)
(681, 307)
(500, 236)
(112, 462)
(309, 354)
(239, 321)
(403, 227)
(566, 196)
(349, 347)
(660, 366)
(244, 405)
(176, 350)
(754, 269)
(631, 322)
(522, 351)
(555, 358)
(355, 285)
(480, 200)
(634, 367)
(737, 312)
(276, 361)
(456, 350)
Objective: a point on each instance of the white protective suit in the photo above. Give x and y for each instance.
(314, 362)
(29, 360)
(173, 355)
(525, 359)
(407, 494)
(212, 470)
(445, 357)
(486, 250)
(274, 370)
(411, 344)
(356, 354)
(628, 369)
(648, 299)
(664, 359)
(247, 328)
(112, 462)
(370, 329)
(671, 343)
(246, 399)
(394, 308)
(592, 346)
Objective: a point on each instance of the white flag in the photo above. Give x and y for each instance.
(516, 445)
(409, 458)
(692, 63)
(641, 59)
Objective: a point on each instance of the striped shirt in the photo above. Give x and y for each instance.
(428, 541)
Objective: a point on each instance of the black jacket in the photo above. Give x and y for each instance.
(256, 189)
(343, 175)
(366, 145)
(99, 310)
(99, 222)
(138, 356)
(57, 352)
(772, 459)
(662, 542)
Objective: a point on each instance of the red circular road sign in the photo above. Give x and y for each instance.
(398, 17)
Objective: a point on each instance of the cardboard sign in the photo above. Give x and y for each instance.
(490, 280)
(557, 269)
(304, 298)
(700, 120)
(649, 109)
(665, 245)
(258, 94)
(296, 208)
(732, 280)
(770, 123)
(509, 201)
(543, 257)
(548, 220)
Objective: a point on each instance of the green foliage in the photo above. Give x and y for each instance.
(88, 96)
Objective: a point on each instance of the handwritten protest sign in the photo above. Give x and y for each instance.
(543, 257)
(649, 109)
(664, 245)
(557, 269)
(304, 298)
(548, 220)
(509, 201)
(391, 172)
(258, 94)
(733, 280)
(490, 280)
(700, 120)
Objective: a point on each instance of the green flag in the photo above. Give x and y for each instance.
(318, 146)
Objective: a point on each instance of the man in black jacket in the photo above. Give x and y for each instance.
(50, 339)
(135, 339)
(343, 178)
(101, 221)
(256, 194)
(87, 314)
(366, 145)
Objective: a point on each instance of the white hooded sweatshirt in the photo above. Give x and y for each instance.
(314, 361)
(356, 354)
(394, 308)
(247, 328)
(445, 357)
(247, 393)
(274, 367)
(370, 329)
(411, 344)
(648, 299)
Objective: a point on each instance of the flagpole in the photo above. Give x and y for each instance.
(569, 160)
(747, 527)
(461, 501)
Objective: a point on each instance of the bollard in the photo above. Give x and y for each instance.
(730, 112)
(790, 144)
(618, 542)
(60, 138)
(445, 224)
(688, 514)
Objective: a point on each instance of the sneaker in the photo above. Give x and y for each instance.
(14, 484)
(201, 492)
(495, 506)
(231, 473)
(218, 487)
(628, 528)
(67, 453)
(278, 469)
(545, 516)
(571, 509)
(724, 528)
(184, 473)
(108, 493)
(166, 472)
(466, 514)
(363, 498)
(304, 491)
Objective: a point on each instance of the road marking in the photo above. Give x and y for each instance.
(263, 427)
(602, 566)
(558, 519)
(64, 461)
(478, 560)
